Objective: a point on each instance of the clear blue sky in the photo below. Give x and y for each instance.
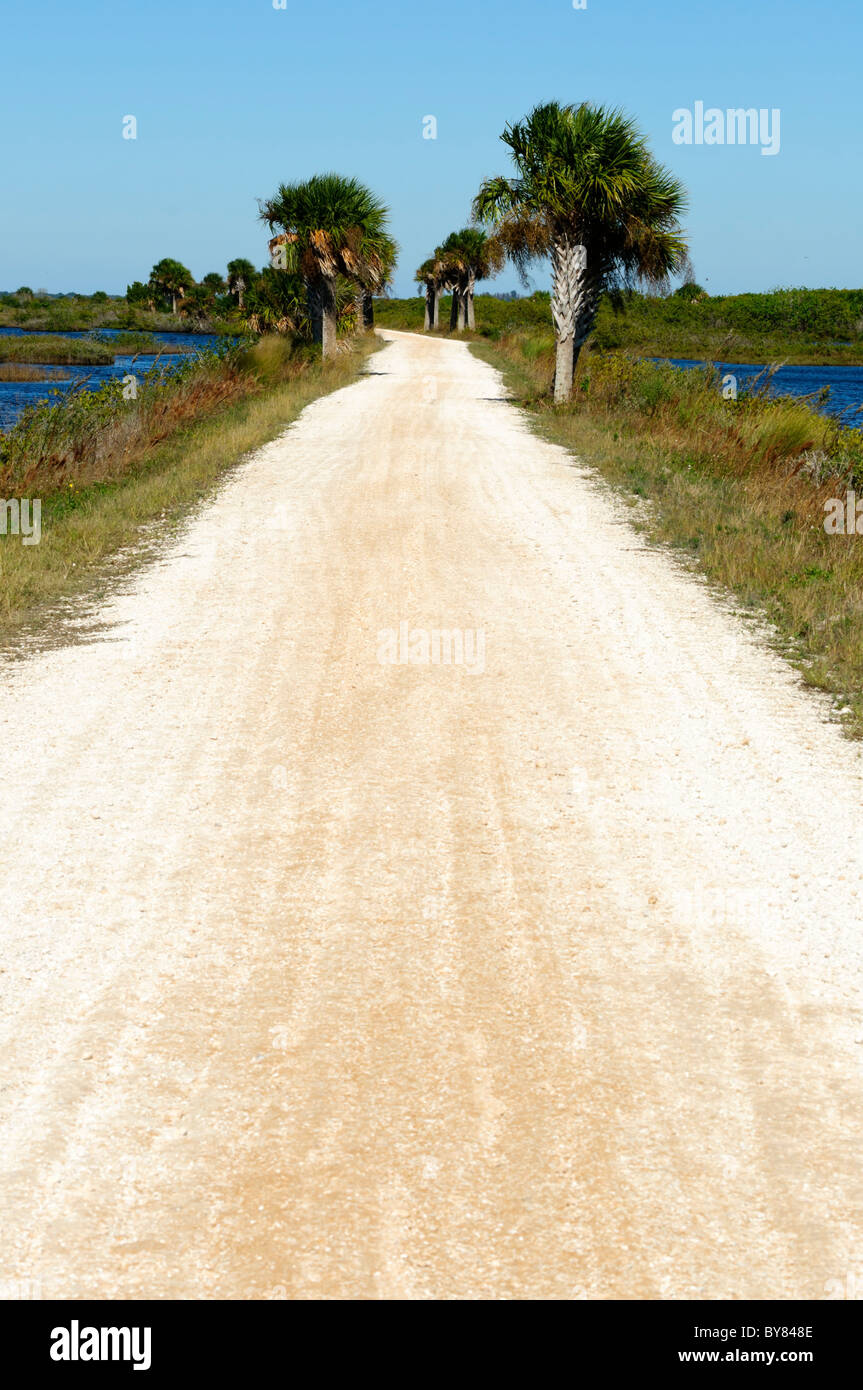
(233, 97)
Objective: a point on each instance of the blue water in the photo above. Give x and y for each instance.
(846, 383)
(15, 396)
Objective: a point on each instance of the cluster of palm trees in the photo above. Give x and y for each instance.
(173, 283)
(335, 251)
(457, 264)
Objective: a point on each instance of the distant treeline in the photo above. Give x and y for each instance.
(800, 324)
(830, 314)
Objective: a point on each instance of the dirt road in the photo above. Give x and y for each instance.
(332, 969)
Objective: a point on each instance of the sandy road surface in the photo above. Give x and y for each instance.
(333, 978)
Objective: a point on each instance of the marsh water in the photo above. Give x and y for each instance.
(15, 396)
(845, 383)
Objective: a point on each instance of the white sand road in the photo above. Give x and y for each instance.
(326, 977)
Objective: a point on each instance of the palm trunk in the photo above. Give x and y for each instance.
(173, 304)
(567, 273)
(457, 313)
(436, 298)
(427, 321)
(368, 311)
(590, 288)
(329, 318)
(564, 369)
(359, 326)
(313, 305)
(471, 314)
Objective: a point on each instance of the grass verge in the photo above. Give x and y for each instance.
(738, 487)
(94, 531)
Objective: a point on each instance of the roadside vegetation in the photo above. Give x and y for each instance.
(114, 475)
(737, 487)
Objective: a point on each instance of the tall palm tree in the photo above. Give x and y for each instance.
(331, 226)
(590, 196)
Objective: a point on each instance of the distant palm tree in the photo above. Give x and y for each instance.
(590, 196)
(452, 260)
(331, 226)
(241, 276)
(171, 279)
(375, 282)
(432, 274)
(426, 276)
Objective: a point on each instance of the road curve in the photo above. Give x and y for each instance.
(331, 969)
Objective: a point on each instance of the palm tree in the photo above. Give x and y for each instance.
(590, 196)
(214, 282)
(171, 279)
(375, 282)
(452, 261)
(426, 276)
(241, 276)
(331, 226)
(433, 275)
